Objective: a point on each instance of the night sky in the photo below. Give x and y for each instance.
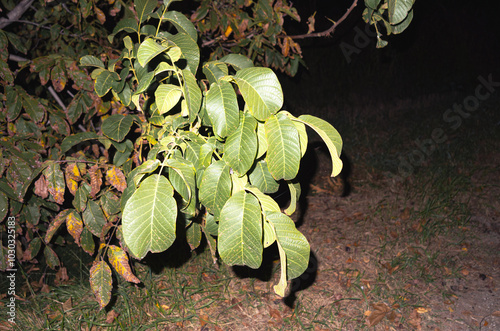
(446, 47)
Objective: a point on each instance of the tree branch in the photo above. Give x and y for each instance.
(331, 30)
(15, 13)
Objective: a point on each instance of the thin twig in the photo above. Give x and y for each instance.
(331, 30)
(15, 13)
(58, 100)
(17, 58)
(47, 28)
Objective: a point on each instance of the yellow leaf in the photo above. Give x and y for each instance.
(422, 310)
(228, 31)
(74, 224)
(100, 15)
(55, 224)
(119, 260)
(116, 177)
(72, 185)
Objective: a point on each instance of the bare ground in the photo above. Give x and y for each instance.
(370, 268)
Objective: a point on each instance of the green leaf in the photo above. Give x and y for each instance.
(240, 148)
(117, 126)
(192, 94)
(91, 61)
(144, 83)
(261, 177)
(210, 226)
(295, 191)
(81, 197)
(162, 67)
(18, 42)
(72, 140)
(167, 96)
(269, 234)
(240, 231)
(127, 24)
(182, 177)
(149, 217)
(398, 10)
(34, 247)
(222, 108)
(283, 151)
(193, 235)
(330, 136)
(404, 24)
(13, 103)
(4, 205)
(51, 257)
(238, 61)
(87, 241)
(190, 50)
(280, 288)
(373, 4)
(55, 181)
(293, 242)
(144, 8)
(94, 219)
(261, 90)
(181, 23)
(5, 73)
(32, 107)
(215, 70)
(266, 202)
(215, 187)
(148, 50)
(261, 139)
(147, 167)
(304, 139)
(101, 282)
(105, 81)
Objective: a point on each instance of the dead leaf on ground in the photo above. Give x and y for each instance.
(67, 305)
(275, 314)
(415, 320)
(379, 312)
(111, 316)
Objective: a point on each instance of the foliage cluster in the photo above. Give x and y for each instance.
(145, 147)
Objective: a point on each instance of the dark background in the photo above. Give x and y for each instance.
(446, 47)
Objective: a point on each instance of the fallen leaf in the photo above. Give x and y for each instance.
(405, 214)
(381, 310)
(67, 305)
(203, 320)
(415, 320)
(45, 288)
(275, 314)
(111, 316)
(422, 310)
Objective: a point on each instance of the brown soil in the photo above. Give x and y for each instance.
(351, 284)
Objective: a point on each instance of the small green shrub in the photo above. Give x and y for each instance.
(210, 151)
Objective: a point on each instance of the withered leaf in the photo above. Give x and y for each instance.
(119, 260)
(116, 177)
(379, 312)
(95, 180)
(74, 224)
(41, 188)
